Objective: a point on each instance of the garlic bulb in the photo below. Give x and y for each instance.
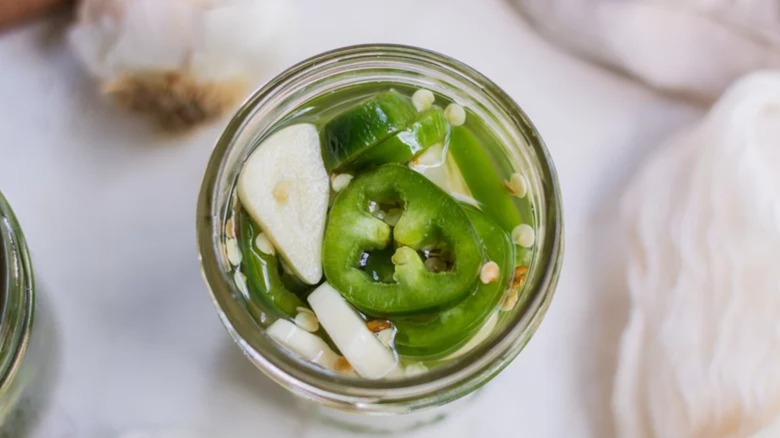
(181, 61)
(701, 353)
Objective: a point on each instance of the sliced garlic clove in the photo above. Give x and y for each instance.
(284, 188)
(303, 343)
(346, 328)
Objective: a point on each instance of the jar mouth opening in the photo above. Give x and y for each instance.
(446, 382)
(16, 295)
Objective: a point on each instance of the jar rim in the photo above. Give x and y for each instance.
(441, 384)
(17, 295)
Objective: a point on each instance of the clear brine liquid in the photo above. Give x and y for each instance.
(319, 111)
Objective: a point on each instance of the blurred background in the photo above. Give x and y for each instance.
(109, 110)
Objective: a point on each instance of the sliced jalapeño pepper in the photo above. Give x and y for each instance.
(429, 128)
(351, 133)
(439, 333)
(262, 272)
(483, 182)
(436, 256)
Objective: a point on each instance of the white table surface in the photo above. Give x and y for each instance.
(107, 205)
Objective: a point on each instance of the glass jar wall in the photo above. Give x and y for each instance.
(522, 150)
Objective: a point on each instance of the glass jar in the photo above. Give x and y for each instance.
(21, 341)
(333, 71)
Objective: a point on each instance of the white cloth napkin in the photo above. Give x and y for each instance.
(701, 354)
(692, 47)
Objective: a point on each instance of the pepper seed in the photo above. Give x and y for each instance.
(435, 264)
(509, 300)
(302, 309)
(306, 320)
(423, 99)
(240, 279)
(519, 276)
(455, 114)
(264, 244)
(342, 366)
(230, 228)
(233, 253)
(517, 185)
(338, 182)
(524, 235)
(489, 272)
(377, 325)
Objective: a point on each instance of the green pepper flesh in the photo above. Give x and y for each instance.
(481, 178)
(352, 132)
(440, 333)
(262, 272)
(430, 128)
(431, 220)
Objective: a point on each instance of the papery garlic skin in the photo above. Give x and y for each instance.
(701, 353)
(182, 61)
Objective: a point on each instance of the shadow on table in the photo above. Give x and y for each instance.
(30, 394)
(606, 241)
(237, 370)
(606, 317)
(251, 399)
